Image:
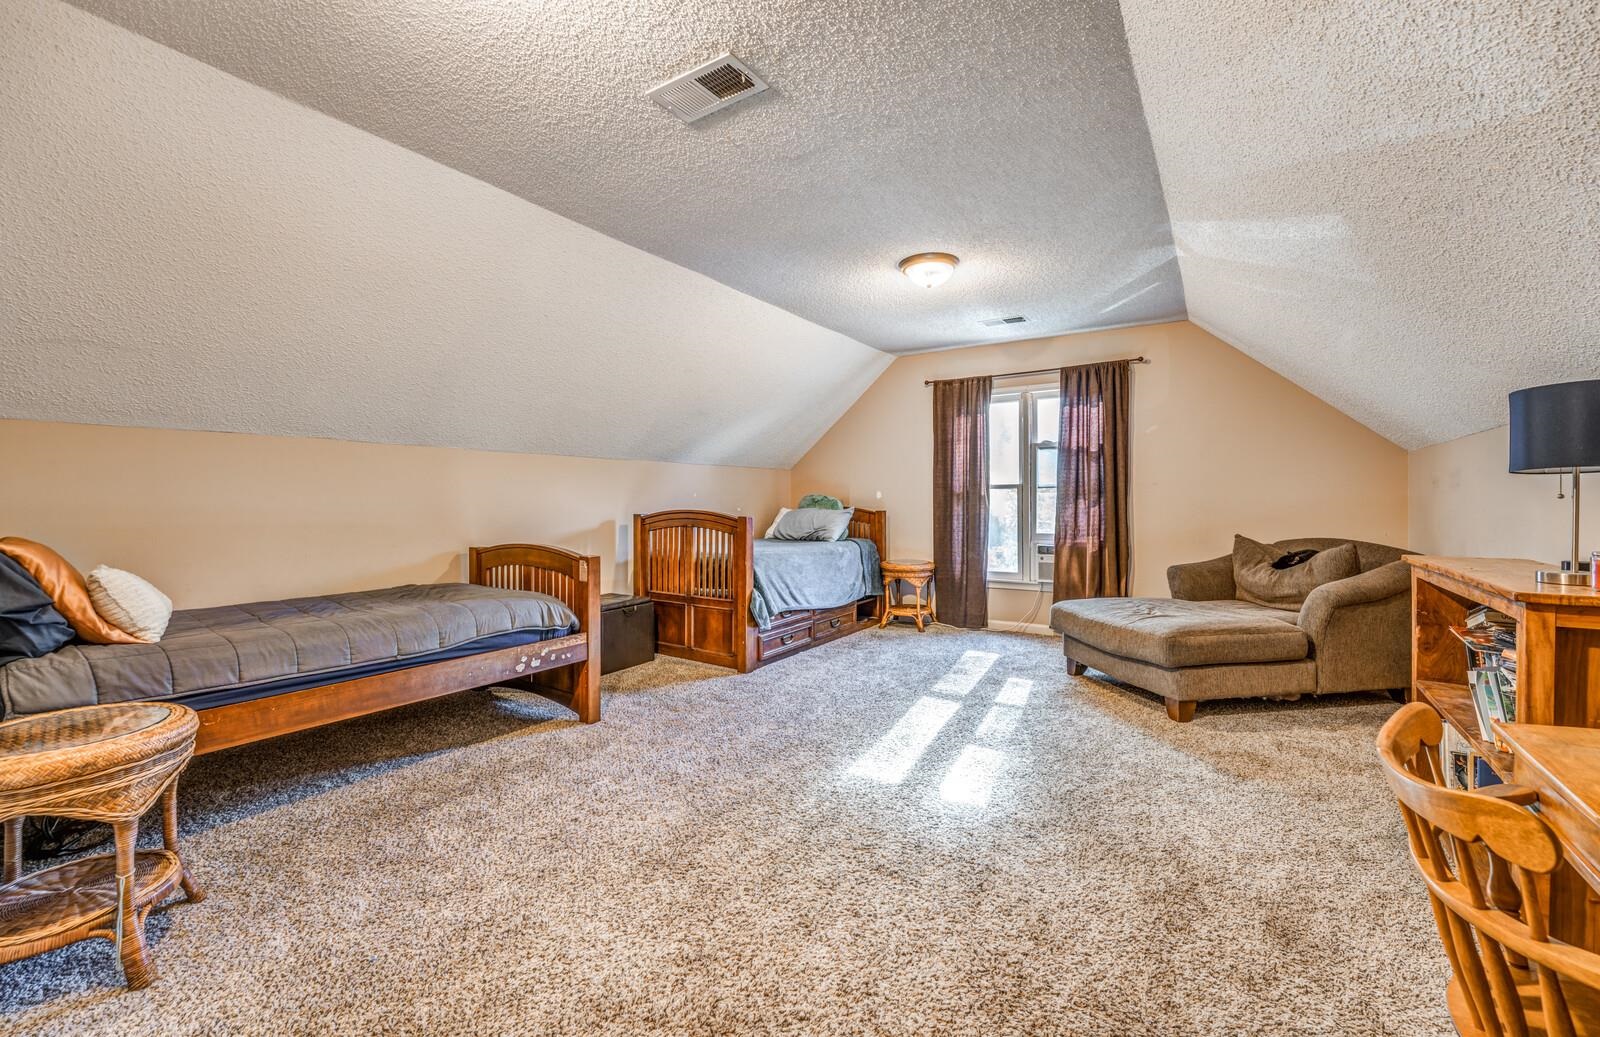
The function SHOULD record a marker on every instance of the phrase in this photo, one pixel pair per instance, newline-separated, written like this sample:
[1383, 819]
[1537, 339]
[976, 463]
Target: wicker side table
[916, 572]
[98, 763]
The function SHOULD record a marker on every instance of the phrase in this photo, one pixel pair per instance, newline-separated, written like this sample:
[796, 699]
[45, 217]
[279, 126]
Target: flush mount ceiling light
[929, 269]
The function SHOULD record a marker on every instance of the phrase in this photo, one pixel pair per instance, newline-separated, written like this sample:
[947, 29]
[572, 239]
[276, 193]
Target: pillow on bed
[70, 595]
[129, 603]
[821, 500]
[811, 524]
[30, 626]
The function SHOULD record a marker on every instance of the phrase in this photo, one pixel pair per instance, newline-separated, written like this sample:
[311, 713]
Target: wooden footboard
[566, 669]
[572, 578]
[698, 567]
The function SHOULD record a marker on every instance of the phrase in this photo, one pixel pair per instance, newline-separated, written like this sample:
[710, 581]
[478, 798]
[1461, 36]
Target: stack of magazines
[1491, 640]
[1494, 697]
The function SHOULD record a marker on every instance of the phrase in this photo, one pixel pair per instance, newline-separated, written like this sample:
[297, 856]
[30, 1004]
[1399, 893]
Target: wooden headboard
[867, 524]
[565, 575]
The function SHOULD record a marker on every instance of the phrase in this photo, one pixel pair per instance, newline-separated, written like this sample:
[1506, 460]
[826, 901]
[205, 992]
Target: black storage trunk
[627, 631]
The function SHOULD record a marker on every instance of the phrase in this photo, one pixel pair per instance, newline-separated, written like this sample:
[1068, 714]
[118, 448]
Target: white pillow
[774, 527]
[130, 604]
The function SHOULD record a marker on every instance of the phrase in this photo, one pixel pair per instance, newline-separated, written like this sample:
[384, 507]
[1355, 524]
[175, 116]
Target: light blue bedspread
[811, 574]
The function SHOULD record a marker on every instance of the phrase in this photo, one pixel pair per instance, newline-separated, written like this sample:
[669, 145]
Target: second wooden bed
[698, 568]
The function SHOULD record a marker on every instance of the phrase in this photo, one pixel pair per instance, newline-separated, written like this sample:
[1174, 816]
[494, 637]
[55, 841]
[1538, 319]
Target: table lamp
[1556, 428]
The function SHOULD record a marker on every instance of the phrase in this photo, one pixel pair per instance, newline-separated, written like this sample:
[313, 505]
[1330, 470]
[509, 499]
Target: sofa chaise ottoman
[1204, 643]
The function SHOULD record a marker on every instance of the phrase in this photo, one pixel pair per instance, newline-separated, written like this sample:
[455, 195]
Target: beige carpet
[896, 834]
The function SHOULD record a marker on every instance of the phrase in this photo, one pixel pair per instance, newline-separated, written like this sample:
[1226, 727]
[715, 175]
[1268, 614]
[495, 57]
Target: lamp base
[1565, 577]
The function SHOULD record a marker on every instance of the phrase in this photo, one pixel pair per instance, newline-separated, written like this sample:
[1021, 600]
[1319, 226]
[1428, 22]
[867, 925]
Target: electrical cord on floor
[1033, 613]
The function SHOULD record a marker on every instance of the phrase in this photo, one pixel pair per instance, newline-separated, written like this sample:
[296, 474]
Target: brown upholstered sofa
[1203, 643]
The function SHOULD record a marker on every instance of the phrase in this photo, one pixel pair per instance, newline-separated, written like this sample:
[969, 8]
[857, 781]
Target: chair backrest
[1495, 933]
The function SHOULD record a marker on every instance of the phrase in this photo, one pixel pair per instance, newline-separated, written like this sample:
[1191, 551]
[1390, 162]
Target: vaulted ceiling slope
[1396, 205]
[1008, 132]
[184, 249]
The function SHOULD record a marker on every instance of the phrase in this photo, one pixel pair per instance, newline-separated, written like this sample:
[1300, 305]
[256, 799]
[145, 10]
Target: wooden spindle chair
[1486, 859]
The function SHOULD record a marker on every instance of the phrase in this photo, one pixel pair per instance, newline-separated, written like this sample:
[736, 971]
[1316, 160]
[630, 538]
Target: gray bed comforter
[238, 646]
[810, 574]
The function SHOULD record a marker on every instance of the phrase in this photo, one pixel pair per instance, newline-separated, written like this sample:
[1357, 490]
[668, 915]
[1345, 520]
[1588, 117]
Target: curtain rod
[1045, 370]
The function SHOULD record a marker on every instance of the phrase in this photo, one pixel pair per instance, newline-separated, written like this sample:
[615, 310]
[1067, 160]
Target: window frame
[1035, 550]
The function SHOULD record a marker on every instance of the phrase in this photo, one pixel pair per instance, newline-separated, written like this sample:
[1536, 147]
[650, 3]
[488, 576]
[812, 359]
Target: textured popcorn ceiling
[1009, 133]
[183, 249]
[1394, 203]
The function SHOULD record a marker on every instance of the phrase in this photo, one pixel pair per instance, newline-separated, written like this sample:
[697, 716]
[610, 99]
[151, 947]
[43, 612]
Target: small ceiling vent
[1000, 322]
[709, 88]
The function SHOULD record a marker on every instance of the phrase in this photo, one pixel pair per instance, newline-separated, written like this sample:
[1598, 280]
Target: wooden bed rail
[573, 579]
[696, 566]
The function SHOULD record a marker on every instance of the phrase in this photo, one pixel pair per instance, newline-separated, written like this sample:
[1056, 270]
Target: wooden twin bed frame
[565, 669]
[698, 568]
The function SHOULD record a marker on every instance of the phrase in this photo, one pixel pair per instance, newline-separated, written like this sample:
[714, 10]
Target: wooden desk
[1562, 765]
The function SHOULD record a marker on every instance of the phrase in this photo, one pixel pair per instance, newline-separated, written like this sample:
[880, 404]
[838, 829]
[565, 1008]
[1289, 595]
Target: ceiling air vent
[1000, 322]
[709, 88]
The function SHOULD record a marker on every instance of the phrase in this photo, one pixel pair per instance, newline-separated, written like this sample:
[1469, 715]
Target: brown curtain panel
[961, 500]
[1093, 552]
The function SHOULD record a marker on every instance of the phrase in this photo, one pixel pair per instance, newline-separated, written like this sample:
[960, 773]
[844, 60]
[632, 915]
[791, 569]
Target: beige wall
[1220, 445]
[1464, 502]
[213, 518]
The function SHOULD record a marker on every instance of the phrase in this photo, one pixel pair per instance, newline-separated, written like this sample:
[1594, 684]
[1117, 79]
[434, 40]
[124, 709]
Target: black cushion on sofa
[30, 626]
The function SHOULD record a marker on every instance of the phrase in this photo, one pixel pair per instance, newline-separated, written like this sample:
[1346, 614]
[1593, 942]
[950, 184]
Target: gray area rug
[895, 834]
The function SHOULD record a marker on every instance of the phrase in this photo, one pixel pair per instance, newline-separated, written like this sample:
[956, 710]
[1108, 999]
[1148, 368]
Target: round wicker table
[98, 763]
[917, 572]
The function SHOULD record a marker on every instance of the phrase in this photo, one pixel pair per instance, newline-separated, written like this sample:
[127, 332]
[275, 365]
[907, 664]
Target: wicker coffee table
[98, 763]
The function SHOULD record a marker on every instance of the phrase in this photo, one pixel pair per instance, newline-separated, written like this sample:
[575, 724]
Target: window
[1023, 425]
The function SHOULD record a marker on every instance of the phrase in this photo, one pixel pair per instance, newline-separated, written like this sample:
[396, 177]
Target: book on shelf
[1491, 694]
[1505, 683]
[1463, 768]
[1486, 617]
[1456, 755]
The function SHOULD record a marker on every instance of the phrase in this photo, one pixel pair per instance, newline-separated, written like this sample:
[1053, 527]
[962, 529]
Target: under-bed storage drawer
[833, 622]
[785, 635]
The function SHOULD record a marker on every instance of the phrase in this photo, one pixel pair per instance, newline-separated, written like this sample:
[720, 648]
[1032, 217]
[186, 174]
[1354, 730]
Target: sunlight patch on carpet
[965, 674]
[971, 779]
[892, 758]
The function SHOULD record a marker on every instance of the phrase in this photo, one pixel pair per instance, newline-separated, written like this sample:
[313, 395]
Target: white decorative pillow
[130, 604]
[774, 527]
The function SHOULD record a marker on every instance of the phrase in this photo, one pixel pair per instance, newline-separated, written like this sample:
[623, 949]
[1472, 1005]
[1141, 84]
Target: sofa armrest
[1378, 584]
[1392, 581]
[1210, 580]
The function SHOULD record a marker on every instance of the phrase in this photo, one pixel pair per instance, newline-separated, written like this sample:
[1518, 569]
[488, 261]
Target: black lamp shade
[1556, 428]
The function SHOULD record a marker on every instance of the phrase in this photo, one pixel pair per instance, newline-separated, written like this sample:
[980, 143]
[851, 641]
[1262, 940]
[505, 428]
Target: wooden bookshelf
[1558, 643]
[1558, 679]
[1454, 703]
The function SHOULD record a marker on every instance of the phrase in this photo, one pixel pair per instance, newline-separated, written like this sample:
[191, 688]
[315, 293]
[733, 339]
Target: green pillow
[821, 500]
